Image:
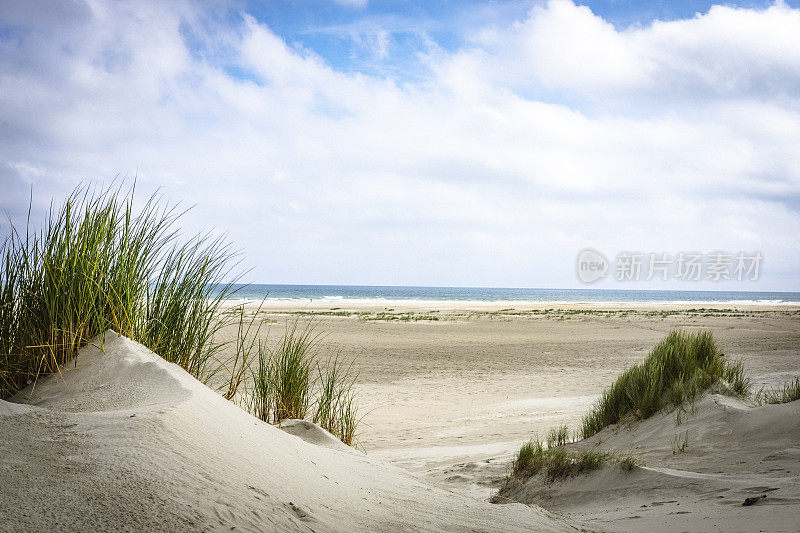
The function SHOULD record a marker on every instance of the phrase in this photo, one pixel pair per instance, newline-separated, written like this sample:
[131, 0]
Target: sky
[443, 143]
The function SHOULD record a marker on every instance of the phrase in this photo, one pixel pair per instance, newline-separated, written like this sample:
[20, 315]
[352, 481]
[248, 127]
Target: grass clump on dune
[98, 264]
[260, 395]
[678, 369]
[237, 368]
[336, 410]
[628, 463]
[292, 365]
[284, 385]
[557, 436]
[555, 463]
[789, 392]
[554, 459]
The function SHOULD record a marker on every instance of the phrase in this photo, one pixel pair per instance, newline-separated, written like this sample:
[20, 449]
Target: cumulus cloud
[726, 52]
[534, 140]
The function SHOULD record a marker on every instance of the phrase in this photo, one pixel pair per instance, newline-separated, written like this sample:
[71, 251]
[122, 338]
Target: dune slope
[696, 475]
[124, 440]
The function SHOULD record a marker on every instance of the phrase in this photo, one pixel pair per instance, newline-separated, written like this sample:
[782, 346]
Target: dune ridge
[695, 472]
[122, 439]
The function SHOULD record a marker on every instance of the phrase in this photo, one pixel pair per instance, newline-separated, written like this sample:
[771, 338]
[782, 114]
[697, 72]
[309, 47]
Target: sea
[369, 293]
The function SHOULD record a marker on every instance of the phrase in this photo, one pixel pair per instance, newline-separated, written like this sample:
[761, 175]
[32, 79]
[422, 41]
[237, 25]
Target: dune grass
[98, 264]
[336, 410]
[246, 344]
[789, 392]
[284, 385]
[292, 366]
[557, 436]
[680, 442]
[628, 463]
[678, 369]
[183, 305]
[555, 463]
[260, 395]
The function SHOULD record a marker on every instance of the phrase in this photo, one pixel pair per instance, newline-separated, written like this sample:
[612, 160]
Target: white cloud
[726, 52]
[555, 133]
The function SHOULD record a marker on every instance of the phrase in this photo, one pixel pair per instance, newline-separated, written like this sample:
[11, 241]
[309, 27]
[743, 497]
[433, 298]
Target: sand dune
[452, 400]
[125, 440]
[734, 451]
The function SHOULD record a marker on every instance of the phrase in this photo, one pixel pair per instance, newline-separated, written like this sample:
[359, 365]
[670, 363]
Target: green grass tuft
[336, 410]
[247, 343]
[680, 443]
[283, 385]
[292, 364]
[789, 392]
[628, 463]
[555, 463]
[678, 369]
[98, 264]
[260, 395]
[736, 378]
[557, 436]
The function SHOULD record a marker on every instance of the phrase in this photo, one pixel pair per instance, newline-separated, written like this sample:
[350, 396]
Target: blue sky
[340, 31]
[409, 143]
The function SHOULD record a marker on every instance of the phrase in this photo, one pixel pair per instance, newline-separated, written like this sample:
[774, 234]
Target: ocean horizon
[389, 293]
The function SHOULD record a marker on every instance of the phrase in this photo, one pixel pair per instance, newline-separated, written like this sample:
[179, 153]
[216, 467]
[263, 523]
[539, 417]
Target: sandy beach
[448, 393]
[135, 443]
[388, 266]
[450, 390]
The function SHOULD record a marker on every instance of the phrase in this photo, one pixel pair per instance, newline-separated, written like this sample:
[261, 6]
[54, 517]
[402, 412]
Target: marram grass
[98, 264]
[678, 369]
[557, 462]
[557, 436]
[336, 410]
[284, 384]
[788, 392]
[292, 366]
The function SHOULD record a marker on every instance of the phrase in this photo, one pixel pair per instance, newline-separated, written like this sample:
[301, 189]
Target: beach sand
[453, 399]
[691, 476]
[448, 393]
[125, 441]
